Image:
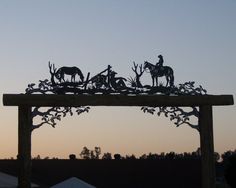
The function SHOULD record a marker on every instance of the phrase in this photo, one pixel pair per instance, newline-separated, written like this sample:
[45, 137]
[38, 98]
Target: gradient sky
[196, 38]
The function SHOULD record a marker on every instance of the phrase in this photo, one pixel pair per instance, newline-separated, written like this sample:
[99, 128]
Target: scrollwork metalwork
[66, 80]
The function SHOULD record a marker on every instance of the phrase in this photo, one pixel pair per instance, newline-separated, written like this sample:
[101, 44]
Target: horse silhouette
[71, 71]
[159, 71]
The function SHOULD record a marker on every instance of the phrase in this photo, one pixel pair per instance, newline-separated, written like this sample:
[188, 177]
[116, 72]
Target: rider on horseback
[159, 70]
[159, 64]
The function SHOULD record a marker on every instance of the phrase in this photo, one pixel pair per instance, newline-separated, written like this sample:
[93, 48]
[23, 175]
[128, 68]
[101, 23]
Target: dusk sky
[196, 38]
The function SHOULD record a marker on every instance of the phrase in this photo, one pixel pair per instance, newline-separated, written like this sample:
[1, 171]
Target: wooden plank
[115, 100]
[207, 147]
[24, 146]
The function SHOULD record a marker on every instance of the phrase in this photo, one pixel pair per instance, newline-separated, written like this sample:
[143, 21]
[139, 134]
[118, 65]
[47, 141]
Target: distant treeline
[225, 163]
[97, 154]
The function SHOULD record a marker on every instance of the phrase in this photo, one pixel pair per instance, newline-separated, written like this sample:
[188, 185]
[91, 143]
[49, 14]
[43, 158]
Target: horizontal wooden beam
[50, 100]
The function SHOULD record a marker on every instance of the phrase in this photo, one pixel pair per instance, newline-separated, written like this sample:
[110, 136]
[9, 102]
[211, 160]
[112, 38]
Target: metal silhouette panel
[71, 80]
[65, 80]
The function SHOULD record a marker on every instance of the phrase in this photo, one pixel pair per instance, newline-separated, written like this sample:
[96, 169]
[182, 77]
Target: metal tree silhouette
[176, 114]
[52, 115]
[138, 75]
[180, 115]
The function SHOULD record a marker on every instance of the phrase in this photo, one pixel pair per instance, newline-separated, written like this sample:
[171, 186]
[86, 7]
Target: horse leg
[73, 78]
[172, 80]
[152, 81]
[62, 78]
[167, 81]
[81, 77]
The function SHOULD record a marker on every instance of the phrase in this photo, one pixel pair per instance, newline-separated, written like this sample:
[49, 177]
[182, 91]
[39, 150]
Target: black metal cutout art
[66, 80]
[71, 80]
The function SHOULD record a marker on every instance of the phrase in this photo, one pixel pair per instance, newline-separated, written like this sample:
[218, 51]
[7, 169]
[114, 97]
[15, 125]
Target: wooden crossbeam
[115, 100]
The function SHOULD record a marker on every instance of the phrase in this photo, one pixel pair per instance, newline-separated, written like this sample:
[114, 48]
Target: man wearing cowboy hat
[159, 64]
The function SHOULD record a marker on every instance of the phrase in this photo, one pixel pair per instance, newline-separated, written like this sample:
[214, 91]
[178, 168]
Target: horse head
[146, 63]
[148, 66]
[58, 74]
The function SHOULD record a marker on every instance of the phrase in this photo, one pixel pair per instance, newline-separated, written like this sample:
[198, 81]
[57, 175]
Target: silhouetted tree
[97, 151]
[107, 156]
[227, 154]
[117, 156]
[136, 82]
[194, 155]
[152, 156]
[187, 155]
[132, 157]
[216, 156]
[51, 115]
[198, 151]
[92, 155]
[72, 156]
[162, 155]
[144, 156]
[171, 155]
[85, 153]
[37, 157]
[178, 115]
[230, 170]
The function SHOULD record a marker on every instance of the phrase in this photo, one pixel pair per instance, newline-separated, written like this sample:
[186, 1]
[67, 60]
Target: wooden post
[24, 146]
[207, 147]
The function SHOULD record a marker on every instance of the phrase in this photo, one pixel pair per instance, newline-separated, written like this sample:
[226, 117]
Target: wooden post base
[24, 146]
[207, 147]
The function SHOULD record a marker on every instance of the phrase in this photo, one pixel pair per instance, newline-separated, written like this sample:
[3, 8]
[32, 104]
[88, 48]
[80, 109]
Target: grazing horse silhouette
[72, 71]
[159, 71]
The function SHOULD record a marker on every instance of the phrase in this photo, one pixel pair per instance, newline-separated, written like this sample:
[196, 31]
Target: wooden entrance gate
[205, 103]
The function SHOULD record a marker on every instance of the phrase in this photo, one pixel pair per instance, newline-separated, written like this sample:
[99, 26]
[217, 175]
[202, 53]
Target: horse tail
[81, 76]
[79, 72]
[172, 78]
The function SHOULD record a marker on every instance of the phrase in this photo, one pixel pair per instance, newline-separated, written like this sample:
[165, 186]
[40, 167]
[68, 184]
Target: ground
[114, 173]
